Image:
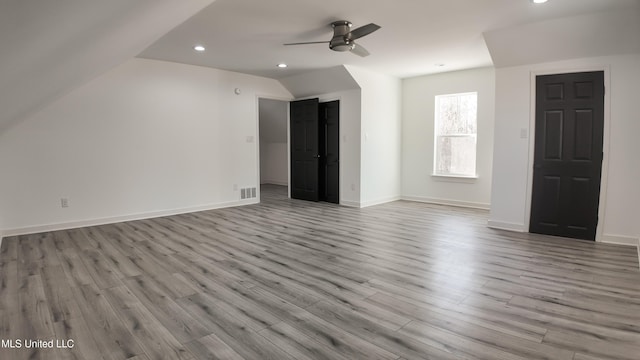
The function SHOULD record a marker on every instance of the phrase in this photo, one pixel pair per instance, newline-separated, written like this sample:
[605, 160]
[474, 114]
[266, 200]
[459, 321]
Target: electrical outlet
[64, 202]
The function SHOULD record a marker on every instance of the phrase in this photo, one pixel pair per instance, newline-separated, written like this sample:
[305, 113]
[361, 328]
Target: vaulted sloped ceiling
[417, 37]
[586, 35]
[322, 81]
[48, 48]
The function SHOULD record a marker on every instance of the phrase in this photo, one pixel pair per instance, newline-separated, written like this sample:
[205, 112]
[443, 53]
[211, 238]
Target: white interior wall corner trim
[448, 202]
[380, 201]
[618, 239]
[499, 225]
[353, 204]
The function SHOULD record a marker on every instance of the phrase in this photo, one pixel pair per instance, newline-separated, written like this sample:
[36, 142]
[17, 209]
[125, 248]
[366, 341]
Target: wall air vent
[248, 193]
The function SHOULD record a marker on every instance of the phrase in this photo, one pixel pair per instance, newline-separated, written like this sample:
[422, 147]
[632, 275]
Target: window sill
[455, 178]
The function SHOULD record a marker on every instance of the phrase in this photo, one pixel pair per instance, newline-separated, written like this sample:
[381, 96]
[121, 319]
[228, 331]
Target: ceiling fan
[343, 37]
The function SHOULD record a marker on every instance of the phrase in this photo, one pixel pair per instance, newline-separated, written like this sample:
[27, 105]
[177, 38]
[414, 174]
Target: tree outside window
[456, 134]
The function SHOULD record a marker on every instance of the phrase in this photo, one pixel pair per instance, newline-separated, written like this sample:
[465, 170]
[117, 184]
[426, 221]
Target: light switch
[524, 133]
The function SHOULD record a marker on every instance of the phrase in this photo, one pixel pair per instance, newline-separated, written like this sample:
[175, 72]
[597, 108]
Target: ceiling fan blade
[359, 50]
[308, 42]
[363, 31]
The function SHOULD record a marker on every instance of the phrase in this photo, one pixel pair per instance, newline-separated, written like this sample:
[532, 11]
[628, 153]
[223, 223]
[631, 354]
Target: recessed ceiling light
[539, 1]
[282, 65]
[199, 48]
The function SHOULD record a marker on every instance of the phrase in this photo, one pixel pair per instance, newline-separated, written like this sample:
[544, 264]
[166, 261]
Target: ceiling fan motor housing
[341, 40]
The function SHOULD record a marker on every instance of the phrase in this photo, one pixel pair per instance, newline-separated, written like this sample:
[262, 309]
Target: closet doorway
[272, 122]
[315, 149]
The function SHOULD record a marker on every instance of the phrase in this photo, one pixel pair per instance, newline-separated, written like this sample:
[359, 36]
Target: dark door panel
[304, 149]
[568, 154]
[331, 130]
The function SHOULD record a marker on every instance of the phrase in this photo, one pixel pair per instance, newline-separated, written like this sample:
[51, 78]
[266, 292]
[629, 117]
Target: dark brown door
[330, 151]
[568, 154]
[304, 149]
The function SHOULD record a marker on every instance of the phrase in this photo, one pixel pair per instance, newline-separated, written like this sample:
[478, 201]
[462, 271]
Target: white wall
[274, 168]
[380, 136]
[620, 200]
[350, 192]
[147, 138]
[274, 152]
[418, 108]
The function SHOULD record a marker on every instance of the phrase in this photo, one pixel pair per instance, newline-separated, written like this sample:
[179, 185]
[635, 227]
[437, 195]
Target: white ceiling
[247, 35]
[47, 48]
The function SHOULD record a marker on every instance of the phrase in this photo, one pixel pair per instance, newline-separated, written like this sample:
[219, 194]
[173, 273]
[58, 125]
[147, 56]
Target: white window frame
[436, 135]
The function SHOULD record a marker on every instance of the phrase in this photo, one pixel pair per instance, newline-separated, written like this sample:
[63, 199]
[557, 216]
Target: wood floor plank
[103, 275]
[233, 299]
[112, 338]
[384, 337]
[182, 325]
[298, 344]
[498, 340]
[327, 334]
[550, 321]
[156, 341]
[34, 308]
[9, 284]
[235, 333]
[211, 347]
[79, 238]
[283, 287]
[74, 268]
[559, 308]
[9, 248]
[440, 314]
[602, 348]
[30, 256]
[62, 304]
[76, 330]
[288, 279]
[172, 284]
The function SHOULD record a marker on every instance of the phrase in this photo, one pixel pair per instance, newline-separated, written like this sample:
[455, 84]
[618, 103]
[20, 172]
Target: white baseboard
[379, 201]
[348, 203]
[116, 219]
[501, 225]
[466, 204]
[275, 182]
[618, 239]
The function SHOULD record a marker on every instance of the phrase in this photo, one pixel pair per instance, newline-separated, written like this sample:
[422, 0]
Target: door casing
[605, 147]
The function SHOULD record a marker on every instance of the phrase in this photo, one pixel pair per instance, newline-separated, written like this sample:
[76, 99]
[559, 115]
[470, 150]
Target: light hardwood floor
[288, 279]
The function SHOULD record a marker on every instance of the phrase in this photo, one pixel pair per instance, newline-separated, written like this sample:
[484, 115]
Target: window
[456, 135]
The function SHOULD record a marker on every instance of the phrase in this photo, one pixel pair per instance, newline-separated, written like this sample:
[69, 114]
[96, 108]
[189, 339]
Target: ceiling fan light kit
[343, 37]
[341, 40]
